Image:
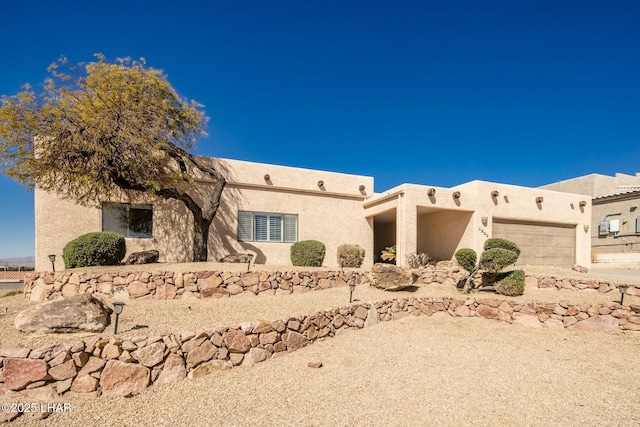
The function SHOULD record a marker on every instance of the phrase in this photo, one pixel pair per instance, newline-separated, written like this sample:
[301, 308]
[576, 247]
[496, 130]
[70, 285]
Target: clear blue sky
[430, 92]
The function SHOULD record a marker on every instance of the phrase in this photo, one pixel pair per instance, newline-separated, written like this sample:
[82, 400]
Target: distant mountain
[25, 261]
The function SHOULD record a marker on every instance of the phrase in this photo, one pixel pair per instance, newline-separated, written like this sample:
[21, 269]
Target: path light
[342, 260]
[623, 290]
[52, 258]
[352, 287]
[249, 258]
[117, 309]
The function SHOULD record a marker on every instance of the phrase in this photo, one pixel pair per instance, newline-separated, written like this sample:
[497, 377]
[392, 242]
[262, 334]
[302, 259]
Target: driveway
[629, 275]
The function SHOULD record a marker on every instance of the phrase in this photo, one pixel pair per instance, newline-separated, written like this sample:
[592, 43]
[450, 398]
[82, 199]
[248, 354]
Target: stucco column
[406, 228]
[583, 244]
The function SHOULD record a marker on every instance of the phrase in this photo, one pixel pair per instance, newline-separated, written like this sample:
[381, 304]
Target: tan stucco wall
[332, 214]
[59, 221]
[441, 233]
[342, 210]
[463, 216]
[594, 184]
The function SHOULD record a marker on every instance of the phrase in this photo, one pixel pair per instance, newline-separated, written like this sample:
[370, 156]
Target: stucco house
[265, 208]
[615, 218]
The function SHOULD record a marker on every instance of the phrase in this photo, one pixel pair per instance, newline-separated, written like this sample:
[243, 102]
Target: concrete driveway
[627, 273]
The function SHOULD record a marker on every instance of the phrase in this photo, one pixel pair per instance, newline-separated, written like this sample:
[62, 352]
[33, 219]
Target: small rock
[315, 363]
[579, 268]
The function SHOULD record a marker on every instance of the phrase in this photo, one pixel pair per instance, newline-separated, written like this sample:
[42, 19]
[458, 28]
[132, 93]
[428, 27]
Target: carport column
[406, 227]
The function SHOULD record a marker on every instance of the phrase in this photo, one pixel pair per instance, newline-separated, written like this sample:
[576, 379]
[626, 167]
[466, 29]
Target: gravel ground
[412, 372]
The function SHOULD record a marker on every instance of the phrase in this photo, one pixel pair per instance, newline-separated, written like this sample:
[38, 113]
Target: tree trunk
[467, 285]
[201, 239]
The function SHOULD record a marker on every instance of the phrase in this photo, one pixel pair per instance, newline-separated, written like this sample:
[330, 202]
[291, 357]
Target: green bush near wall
[308, 253]
[495, 242]
[467, 259]
[495, 259]
[93, 249]
[512, 284]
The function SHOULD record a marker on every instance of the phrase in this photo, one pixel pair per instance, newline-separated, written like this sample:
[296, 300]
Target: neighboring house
[615, 218]
[265, 208]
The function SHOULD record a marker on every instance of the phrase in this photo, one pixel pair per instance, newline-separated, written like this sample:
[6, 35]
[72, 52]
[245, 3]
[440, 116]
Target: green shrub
[467, 259]
[495, 259]
[100, 248]
[307, 253]
[501, 243]
[353, 255]
[417, 259]
[512, 284]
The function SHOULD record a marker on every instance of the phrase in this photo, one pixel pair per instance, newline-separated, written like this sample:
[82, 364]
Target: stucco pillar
[406, 228]
[583, 244]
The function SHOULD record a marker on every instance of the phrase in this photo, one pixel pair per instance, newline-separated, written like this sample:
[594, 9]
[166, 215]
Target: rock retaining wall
[126, 366]
[219, 284]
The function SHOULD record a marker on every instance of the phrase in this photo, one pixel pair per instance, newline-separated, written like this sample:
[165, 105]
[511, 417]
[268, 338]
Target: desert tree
[109, 130]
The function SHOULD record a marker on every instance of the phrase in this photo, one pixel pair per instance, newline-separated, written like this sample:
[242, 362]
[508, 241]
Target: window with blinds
[267, 227]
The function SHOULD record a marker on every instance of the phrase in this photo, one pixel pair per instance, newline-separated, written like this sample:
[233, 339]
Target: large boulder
[144, 257]
[77, 313]
[390, 277]
[237, 258]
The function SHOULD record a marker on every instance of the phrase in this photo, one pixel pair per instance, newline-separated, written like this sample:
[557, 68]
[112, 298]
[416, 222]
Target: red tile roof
[13, 275]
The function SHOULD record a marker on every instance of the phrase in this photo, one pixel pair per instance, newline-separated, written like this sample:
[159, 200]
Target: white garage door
[540, 243]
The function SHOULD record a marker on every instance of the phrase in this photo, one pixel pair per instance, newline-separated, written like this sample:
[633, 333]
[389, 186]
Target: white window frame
[247, 227]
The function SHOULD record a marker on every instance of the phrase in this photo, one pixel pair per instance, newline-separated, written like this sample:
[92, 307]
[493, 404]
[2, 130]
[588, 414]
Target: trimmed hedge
[501, 243]
[512, 285]
[467, 259]
[353, 255]
[495, 259]
[307, 253]
[93, 249]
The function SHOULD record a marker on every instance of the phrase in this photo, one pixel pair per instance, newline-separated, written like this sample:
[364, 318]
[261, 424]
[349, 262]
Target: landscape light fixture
[117, 309]
[352, 287]
[250, 257]
[623, 290]
[342, 259]
[52, 258]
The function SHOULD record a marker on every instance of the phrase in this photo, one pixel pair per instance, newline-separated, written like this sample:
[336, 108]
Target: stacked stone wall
[172, 285]
[219, 284]
[127, 365]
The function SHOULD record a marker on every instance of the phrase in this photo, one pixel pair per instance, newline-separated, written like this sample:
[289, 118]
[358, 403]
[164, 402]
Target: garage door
[540, 243]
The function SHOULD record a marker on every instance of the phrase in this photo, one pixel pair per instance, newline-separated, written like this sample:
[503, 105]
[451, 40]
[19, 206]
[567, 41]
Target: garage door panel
[540, 243]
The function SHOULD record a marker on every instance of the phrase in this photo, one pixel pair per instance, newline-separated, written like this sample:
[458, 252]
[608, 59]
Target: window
[128, 220]
[267, 227]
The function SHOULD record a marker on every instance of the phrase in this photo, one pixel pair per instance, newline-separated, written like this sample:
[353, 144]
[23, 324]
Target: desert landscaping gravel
[416, 371]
